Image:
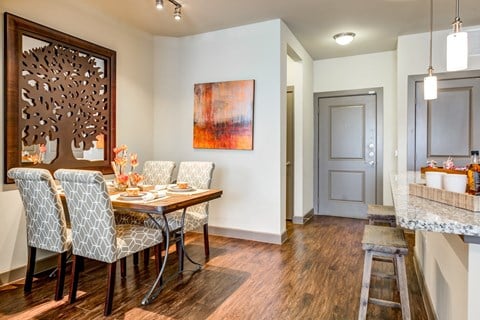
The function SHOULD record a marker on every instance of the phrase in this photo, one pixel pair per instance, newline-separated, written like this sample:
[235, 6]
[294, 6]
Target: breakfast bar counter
[447, 250]
[417, 213]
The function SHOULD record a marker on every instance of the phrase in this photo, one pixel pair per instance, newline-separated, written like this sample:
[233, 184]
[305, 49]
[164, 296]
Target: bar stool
[385, 242]
[381, 214]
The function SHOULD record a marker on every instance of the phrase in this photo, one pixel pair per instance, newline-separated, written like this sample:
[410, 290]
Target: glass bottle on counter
[473, 174]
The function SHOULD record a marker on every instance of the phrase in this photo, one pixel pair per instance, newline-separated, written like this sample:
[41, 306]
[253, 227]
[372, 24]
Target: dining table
[169, 201]
[165, 201]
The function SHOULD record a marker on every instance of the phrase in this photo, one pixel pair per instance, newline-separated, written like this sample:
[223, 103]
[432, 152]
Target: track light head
[178, 13]
[159, 4]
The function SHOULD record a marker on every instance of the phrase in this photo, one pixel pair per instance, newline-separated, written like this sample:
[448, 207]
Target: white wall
[134, 95]
[366, 71]
[250, 179]
[303, 185]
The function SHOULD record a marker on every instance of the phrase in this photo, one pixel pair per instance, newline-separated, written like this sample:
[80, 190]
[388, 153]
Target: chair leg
[146, 257]
[205, 240]
[367, 270]
[135, 259]
[61, 266]
[32, 252]
[158, 257]
[110, 287]
[76, 264]
[403, 287]
[123, 267]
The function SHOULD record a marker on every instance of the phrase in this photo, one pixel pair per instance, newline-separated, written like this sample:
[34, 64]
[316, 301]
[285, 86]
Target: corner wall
[251, 182]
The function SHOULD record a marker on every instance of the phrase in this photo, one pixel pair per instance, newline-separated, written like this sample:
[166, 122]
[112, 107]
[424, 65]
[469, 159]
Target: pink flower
[134, 160]
[122, 178]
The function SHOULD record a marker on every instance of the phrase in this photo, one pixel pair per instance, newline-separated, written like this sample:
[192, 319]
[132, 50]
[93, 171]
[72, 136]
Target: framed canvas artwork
[223, 115]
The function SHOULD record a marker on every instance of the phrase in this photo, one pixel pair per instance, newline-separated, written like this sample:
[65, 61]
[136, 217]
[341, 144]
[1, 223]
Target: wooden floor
[316, 274]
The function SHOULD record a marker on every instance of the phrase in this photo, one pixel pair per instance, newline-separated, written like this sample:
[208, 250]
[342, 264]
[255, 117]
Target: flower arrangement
[120, 163]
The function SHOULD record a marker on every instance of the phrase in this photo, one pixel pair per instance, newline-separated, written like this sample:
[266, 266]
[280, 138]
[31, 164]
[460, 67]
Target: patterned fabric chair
[45, 220]
[158, 172]
[198, 174]
[94, 232]
[155, 173]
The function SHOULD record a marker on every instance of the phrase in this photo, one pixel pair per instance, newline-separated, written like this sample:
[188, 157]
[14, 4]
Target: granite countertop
[417, 213]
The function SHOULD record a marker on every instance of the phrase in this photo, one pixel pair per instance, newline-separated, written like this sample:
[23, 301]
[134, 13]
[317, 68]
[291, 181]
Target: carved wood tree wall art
[60, 91]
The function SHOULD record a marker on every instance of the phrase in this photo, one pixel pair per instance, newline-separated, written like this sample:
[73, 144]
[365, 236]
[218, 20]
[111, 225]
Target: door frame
[411, 103]
[292, 90]
[378, 92]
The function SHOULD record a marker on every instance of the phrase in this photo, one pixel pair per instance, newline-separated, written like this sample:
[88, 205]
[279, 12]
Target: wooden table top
[173, 202]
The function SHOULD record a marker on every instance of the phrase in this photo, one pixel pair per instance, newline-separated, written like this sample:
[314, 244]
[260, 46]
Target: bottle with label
[473, 174]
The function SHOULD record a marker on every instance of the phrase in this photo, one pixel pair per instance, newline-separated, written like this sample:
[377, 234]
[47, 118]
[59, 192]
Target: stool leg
[367, 270]
[403, 287]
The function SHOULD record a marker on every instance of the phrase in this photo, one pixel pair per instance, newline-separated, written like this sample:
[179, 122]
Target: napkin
[148, 196]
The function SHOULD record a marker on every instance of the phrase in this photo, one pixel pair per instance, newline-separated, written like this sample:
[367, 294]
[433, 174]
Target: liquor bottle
[473, 174]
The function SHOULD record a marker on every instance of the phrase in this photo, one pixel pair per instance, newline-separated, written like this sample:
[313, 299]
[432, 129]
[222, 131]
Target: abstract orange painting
[223, 115]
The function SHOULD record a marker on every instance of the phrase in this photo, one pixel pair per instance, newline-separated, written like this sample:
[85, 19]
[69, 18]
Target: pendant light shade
[457, 45]
[457, 51]
[430, 82]
[430, 87]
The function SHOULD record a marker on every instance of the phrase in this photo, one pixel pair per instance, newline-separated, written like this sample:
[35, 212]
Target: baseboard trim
[304, 219]
[427, 301]
[41, 265]
[248, 235]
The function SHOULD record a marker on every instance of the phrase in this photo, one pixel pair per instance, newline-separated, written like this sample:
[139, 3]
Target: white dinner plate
[125, 196]
[177, 189]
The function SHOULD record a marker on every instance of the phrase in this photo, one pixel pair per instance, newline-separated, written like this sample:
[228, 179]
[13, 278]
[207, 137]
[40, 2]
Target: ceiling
[377, 23]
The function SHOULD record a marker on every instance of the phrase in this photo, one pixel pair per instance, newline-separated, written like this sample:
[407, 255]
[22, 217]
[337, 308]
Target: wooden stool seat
[381, 214]
[385, 242]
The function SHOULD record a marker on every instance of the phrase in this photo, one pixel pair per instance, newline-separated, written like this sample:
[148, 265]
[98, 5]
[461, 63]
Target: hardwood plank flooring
[315, 274]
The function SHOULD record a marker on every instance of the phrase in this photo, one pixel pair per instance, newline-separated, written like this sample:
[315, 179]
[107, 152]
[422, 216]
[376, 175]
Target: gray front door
[448, 126]
[347, 154]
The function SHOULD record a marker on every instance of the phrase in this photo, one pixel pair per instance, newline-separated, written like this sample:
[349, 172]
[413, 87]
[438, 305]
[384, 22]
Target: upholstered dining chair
[155, 172]
[45, 220]
[94, 232]
[197, 174]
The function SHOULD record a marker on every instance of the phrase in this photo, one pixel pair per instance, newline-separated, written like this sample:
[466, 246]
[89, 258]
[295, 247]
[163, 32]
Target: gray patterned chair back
[199, 175]
[158, 172]
[45, 218]
[91, 214]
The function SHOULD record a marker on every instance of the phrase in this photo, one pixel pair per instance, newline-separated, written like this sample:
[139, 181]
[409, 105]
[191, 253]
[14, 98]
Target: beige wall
[134, 96]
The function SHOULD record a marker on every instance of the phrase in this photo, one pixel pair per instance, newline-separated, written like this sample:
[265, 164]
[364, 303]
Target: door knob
[371, 154]
[371, 146]
[371, 163]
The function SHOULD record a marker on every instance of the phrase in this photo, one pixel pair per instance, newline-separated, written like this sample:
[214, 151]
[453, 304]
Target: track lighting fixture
[177, 14]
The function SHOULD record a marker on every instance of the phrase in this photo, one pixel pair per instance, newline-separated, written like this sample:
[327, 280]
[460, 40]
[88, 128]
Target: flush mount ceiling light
[178, 8]
[430, 82]
[457, 45]
[344, 38]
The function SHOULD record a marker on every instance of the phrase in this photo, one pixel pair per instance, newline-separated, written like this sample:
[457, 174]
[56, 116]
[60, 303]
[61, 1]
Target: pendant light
[430, 82]
[457, 45]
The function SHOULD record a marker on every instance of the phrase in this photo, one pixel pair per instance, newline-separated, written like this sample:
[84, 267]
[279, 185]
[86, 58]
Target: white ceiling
[377, 23]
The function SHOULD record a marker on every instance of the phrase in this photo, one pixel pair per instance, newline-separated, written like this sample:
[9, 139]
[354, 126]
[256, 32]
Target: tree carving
[64, 96]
